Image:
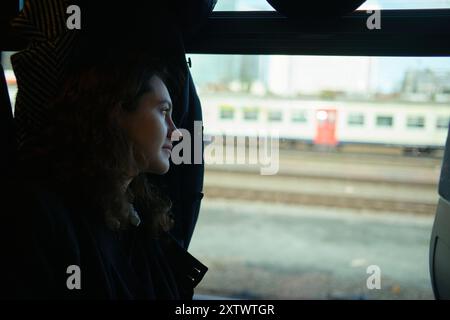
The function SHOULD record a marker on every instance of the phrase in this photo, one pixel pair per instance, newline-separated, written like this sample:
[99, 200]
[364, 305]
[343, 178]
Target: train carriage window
[341, 200]
[226, 112]
[384, 121]
[275, 116]
[251, 113]
[442, 123]
[415, 122]
[299, 116]
[355, 120]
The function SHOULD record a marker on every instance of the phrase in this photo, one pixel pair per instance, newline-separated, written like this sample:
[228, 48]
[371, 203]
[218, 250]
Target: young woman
[82, 219]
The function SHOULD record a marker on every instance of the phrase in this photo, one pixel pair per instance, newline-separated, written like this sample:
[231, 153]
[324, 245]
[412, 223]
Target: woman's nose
[176, 135]
[173, 133]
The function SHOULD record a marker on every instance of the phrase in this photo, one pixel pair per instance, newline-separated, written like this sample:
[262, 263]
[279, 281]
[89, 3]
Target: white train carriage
[407, 125]
[252, 116]
[398, 124]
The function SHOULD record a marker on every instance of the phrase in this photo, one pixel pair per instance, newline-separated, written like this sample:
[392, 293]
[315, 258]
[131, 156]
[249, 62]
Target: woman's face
[150, 128]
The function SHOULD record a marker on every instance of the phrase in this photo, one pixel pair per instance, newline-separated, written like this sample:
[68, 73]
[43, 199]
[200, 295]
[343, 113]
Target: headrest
[444, 180]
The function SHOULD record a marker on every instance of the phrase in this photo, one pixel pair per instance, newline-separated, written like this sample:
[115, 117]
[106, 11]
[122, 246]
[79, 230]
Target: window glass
[385, 121]
[415, 122]
[442, 123]
[251, 114]
[355, 119]
[299, 116]
[340, 204]
[226, 112]
[275, 116]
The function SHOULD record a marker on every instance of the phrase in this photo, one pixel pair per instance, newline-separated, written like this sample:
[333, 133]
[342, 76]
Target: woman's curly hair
[88, 153]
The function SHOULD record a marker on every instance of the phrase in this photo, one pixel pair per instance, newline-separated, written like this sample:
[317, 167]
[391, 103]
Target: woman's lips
[168, 149]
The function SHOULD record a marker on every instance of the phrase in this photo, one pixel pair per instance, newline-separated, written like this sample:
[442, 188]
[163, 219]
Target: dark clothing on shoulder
[43, 235]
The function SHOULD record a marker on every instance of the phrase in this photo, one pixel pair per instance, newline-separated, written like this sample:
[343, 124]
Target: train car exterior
[329, 123]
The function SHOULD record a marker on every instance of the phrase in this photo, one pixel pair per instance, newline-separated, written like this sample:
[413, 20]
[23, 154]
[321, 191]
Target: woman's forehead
[159, 89]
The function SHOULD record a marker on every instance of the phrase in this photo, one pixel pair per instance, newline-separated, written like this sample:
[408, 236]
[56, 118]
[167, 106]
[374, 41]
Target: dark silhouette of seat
[440, 237]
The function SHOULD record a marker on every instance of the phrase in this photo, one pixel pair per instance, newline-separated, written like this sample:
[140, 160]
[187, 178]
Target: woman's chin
[163, 167]
[159, 168]
[165, 170]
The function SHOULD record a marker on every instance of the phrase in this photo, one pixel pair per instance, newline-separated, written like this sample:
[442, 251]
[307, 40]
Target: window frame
[412, 32]
[403, 33]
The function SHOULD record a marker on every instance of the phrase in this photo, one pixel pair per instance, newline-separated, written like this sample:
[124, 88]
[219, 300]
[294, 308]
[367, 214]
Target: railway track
[334, 182]
[332, 201]
[363, 157]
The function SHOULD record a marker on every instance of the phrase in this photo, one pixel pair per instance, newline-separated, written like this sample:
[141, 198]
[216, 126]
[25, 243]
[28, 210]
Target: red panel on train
[326, 127]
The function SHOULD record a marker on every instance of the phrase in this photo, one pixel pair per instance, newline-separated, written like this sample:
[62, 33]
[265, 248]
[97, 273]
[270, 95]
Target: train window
[384, 121]
[355, 119]
[299, 116]
[442, 123]
[226, 112]
[415, 122]
[251, 114]
[275, 116]
[344, 197]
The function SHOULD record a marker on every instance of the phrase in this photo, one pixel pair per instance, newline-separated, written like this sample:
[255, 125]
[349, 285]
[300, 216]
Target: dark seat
[440, 237]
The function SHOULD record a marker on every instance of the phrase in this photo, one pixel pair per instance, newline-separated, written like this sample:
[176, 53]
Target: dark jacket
[44, 234]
